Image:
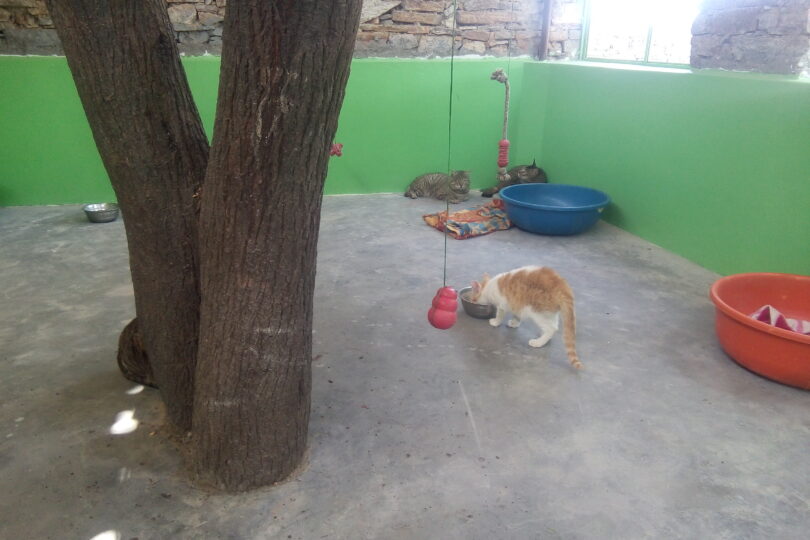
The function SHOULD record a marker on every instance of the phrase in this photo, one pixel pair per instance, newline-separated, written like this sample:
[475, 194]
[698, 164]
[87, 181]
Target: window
[654, 31]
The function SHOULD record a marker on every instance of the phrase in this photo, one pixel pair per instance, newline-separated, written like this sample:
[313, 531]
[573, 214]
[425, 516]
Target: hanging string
[449, 138]
[498, 75]
[509, 42]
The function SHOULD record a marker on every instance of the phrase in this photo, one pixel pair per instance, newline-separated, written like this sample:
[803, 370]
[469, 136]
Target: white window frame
[583, 46]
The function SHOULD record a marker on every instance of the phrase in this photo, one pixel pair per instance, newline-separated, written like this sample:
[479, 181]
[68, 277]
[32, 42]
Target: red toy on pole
[503, 153]
[443, 313]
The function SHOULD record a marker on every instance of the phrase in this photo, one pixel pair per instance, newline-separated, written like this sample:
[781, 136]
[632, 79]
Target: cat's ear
[484, 280]
[476, 287]
[534, 164]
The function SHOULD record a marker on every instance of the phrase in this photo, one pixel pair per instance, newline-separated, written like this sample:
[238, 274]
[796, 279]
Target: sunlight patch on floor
[125, 422]
[107, 535]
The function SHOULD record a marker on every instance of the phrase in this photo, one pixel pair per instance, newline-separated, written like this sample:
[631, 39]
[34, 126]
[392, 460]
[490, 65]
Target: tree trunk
[132, 358]
[284, 69]
[124, 60]
[239, 286]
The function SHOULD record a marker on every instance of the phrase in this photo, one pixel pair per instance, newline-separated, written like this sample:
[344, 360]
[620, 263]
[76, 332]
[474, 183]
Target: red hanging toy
[503, 153]
[503, 144]
[443, 313]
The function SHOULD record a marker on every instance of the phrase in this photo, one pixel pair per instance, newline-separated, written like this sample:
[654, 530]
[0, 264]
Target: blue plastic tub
[555, 209]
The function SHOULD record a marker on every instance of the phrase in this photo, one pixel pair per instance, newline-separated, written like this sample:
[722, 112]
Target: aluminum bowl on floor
[479, 311]
[775, 353]
[102, 212]
[554, 209]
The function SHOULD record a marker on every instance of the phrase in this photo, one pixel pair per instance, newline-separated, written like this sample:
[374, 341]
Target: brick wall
[26, 28]
[770, 36]
[565, 31]
[389, 28]
[418, 28]
[198, 25]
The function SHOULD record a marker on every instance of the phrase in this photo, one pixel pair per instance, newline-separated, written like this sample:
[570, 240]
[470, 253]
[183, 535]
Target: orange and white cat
[536, 293]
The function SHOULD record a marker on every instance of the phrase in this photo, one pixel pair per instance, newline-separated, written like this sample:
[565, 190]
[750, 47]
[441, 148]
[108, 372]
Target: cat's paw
[536, 343]
[513, 323]
[495, 322]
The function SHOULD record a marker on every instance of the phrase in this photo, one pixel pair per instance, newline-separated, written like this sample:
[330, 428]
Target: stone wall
[198, 25]
[26, 28]
[565, 31]
[389, 28]
[769, 36]
[418, 28]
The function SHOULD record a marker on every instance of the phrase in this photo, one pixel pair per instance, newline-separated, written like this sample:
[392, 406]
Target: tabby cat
[536, 293]
[453, 188]
[522, 174]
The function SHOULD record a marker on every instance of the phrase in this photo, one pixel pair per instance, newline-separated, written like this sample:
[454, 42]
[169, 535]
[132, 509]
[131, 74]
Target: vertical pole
[586, 29]
[449, 138]
[542, 54]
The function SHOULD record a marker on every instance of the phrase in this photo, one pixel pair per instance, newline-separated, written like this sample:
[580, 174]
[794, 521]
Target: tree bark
[284, 69]
[125, 64]
[224, 306]
[132, 358]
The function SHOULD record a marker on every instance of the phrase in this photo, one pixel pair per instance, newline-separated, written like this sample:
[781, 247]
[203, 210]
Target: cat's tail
[569, 332]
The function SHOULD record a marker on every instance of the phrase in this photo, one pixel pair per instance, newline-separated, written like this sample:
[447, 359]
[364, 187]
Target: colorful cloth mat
[770, 315]
[475, 221]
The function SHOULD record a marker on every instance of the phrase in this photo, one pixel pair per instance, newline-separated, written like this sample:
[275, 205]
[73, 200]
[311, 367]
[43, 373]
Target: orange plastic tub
[772, 352]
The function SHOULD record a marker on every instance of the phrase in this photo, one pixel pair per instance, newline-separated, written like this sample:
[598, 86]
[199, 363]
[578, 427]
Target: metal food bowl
[479, 311]
[102, 212]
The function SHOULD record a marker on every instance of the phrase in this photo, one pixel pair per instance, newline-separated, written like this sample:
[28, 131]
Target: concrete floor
[415, 433]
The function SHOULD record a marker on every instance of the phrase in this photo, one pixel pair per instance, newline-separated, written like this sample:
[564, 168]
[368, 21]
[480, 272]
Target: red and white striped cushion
[770, 315]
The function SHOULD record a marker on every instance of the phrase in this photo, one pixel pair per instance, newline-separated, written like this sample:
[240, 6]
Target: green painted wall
[47, 153]
[394, 122]
[713, 166]
[393, 126]
[527, 125]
